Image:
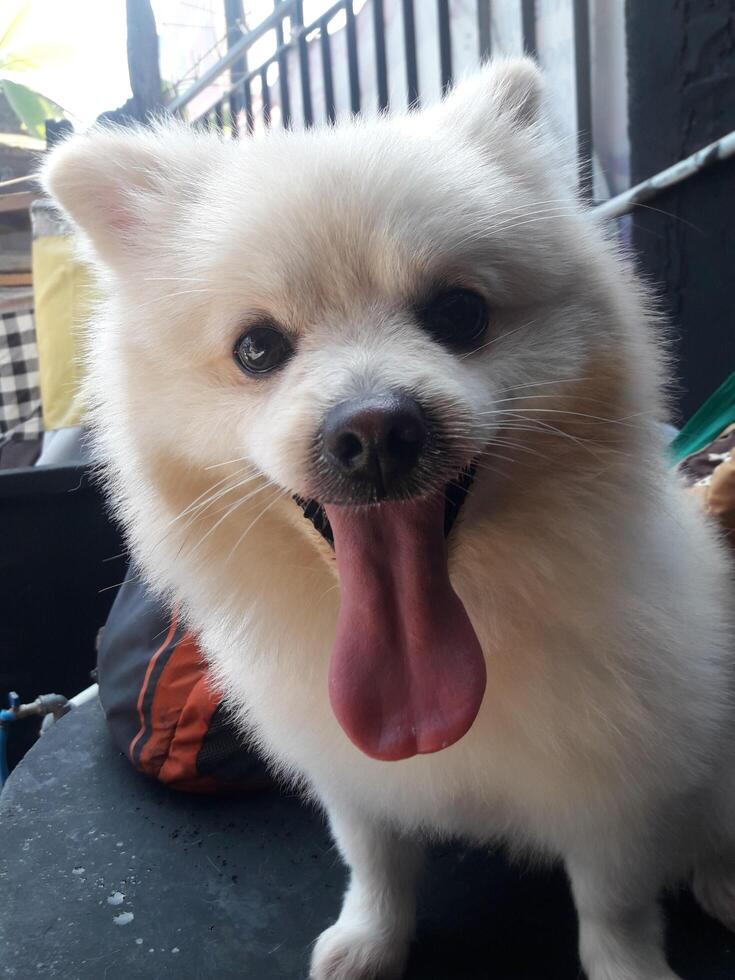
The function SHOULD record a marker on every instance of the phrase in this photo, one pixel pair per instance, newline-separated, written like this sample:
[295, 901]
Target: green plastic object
[707, 422]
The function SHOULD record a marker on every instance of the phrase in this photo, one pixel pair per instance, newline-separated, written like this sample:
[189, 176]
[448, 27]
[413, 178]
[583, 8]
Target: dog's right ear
[123, 188]
[505, 93]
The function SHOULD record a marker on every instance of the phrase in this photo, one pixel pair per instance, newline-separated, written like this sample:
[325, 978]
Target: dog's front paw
[345, 952]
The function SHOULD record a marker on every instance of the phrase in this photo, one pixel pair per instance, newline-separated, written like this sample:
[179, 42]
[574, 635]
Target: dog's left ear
[507, 92]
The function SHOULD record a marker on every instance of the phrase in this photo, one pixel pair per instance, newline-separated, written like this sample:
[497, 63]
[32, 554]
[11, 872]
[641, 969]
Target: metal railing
[246, 103]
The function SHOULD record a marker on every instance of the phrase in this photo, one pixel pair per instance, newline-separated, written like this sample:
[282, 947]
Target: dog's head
[344, 308]
[357, 314]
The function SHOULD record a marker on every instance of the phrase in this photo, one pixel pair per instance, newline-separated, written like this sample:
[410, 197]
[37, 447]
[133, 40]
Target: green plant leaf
[32, 108]
[31, 57]
[9, 26]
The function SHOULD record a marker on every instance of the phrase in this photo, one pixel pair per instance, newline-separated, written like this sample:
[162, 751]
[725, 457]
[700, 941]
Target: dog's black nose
[376, 439]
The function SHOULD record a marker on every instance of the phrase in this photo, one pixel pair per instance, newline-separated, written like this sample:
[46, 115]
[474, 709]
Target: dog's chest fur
[590, 667]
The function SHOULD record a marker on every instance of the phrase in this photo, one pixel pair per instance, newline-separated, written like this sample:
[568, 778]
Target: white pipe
[721, 149]
[88, 694]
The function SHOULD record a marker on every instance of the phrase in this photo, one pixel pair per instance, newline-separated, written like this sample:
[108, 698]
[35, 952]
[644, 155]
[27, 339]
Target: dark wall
[681, 68]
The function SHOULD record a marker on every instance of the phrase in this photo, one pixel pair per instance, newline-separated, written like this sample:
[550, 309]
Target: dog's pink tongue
[407, 674]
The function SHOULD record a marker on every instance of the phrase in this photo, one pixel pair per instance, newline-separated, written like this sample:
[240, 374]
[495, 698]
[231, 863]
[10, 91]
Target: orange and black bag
[161, 707]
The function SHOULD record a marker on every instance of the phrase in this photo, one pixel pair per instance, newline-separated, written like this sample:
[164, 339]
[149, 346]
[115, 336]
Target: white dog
[401, 322]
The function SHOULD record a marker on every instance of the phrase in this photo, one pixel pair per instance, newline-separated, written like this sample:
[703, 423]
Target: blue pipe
[45, 704]
[3, 753]
[7, 716]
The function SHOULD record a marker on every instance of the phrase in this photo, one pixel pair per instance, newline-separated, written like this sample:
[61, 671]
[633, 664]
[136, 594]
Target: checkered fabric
[20, 391]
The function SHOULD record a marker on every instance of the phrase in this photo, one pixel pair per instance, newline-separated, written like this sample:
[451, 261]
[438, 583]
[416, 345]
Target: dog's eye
[457, 318]
[262, 349]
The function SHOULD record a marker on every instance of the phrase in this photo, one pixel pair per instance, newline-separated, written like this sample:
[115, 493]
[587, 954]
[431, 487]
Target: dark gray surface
[681, 91]
[241, 887]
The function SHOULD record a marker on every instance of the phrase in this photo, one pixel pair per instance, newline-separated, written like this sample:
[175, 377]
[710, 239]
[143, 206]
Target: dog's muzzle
[454, 495]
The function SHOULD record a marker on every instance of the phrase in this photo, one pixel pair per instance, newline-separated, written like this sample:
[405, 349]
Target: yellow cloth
[63, 296]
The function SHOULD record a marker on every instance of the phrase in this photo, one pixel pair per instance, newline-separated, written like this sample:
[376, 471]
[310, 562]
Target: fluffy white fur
[598, 594]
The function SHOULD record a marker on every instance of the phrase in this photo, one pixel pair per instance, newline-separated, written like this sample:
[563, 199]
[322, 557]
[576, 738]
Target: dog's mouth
[455, 493]
[407, 674]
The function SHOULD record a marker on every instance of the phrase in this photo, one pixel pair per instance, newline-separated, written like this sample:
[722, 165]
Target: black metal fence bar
[256, 72]
[528, 25]
[235, 110]
[326, 50]
[352, 63]
[304, 72]
[239, 99]
[583, 80]
[445, 44]
[236, 51]
[283, 76]
[409, 36]
[381, 60]
[275, 58]
[483, 29]
[238, 69]
[247, 99]
[265, 94]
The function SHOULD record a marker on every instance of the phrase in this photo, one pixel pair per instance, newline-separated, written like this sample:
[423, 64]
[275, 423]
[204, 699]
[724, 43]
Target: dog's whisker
[506, 459]
[278, 496]
[197, 507]
[623, 420]
[510, 216]
[523, 210]
[194, 502]
[522, 398]
[543, 425]
[227, 462]
[324, 595]
[543, 214]
[483, 466]
[196, 514]
[132, 577]
[541, 384]
[173, 279]
[231, 510]
[537, 221]
[508, 444]
[167, 298]
[533, 426]
[206, 505]
[495, 340]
